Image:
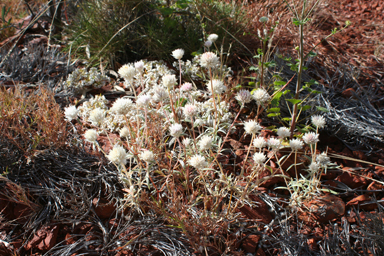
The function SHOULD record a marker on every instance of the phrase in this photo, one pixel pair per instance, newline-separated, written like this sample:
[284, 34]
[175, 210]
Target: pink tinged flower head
[261, 96]
[243, 96]
[139, 65]
[118, 155]
[190, 110]
[318, 121]
[283, 132]
[252, 127]
[178, 54]
[198, 162]
[169, 81]
[186, 87]
[296, 144]
[311, 138]
[143, 100]
[274, 143]
[259, 158]
[176, 130]
[208, 44]
[70, 113]
[209, 60]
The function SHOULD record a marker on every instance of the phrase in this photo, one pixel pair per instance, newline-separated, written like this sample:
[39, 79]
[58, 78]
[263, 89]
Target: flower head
[169, 81]
[70, 113]
[186, 87]
[205, 143]
[252, 127]
[259, 142]
[186, 142]
[323, 159]
[176, 130]
[124, 132]
[97, 116]
[318, 121]
[274, 143]
[127, 72]
[217, 85]
[244, 96]
[190, 110]
[213, 37]
[261, 96]
[296, 144]
[118, 155]
[283, 132]
[259, 158]
[139, 65]
[143, 100]
[209, 60]
[147, 156]
[314, 167]
[178, 54]
[198, 162]
[160, 94]
[90, 135]
[208, 44]
[121, 106]
[311, 138]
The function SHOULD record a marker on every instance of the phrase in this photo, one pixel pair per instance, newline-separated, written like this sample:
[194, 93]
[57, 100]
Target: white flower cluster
[81, 80]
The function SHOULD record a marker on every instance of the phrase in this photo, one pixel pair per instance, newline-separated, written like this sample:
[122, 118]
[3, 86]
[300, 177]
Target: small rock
[324, 209]
[250, 243]
[260, 212]
[103, 208]
[348, 93]
[352, 181]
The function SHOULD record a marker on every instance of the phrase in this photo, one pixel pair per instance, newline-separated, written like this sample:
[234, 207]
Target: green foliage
[120, 31]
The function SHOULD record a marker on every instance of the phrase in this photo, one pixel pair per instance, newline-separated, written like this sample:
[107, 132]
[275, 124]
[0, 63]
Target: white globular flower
[190, 110]
[178, 54]
[314, 167]
[208, 44]
[143, 100]
[213, 37]
[205, 143]
[186, 142]
[121, 106]
[323, 159]
[127, 72]
[169, 81]
[217, 85]
[244, 96]
[118, 155]
[198, 162]
[97, 116]
[252, 127]
[147, 156]
[90, 135]
[209, 60]
[318, 121]
[259, 158]
[186, 87]
[311, 138]
[259, 142]
[176, 130]
[71, 113]
[283, 132]
[274, 143]
[139, 65]
[124, 132]
[261, 96]
[296, 144]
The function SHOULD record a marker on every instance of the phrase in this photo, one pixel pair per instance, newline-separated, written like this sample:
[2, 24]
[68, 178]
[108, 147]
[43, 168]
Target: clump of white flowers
[198, 162]
[283, 132]
[205, 143]
[311, 138]
[217, 86]
[97, 116]
[124, 132]
[176, 130]
[259, 158]
[178, 54]
[296, 144]
[252, 127]
[71, 113]
[121, 106]
[118, 155]
[147, 156]
[127, 72]
[169, 81]
[81, 80]
[190, 110]
[274, 144]
[259, 142]
[90, 135]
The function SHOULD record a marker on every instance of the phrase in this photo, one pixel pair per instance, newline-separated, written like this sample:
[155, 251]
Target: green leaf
[294, 101]
[251, 83]
[273, 114]
[279, 83]
[296, 22]
[253, 68]
[305, 107]
[273, 110]
[312, 54]
[165, 11]
[322, 109]
[276, 99]
[287, 119]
